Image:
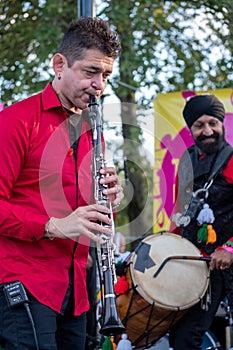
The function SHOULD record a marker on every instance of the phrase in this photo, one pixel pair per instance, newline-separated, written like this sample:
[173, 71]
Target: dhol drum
[166, 276]
[209, 342]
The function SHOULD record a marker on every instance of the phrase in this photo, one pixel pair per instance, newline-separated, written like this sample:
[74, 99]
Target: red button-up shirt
[38, 179]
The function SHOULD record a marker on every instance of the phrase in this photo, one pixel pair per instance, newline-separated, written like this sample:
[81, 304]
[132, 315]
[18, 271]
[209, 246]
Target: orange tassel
[113, 344]
[212, 237]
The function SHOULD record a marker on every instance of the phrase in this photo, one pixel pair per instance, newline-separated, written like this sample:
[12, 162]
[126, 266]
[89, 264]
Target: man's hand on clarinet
[115, 191]
[83, 221]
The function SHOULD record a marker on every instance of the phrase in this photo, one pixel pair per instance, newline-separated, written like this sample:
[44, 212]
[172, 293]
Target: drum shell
[145, 323]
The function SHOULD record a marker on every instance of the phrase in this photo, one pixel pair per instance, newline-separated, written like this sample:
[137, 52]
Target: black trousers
[54, 331]
[91, 338]
[188, 332]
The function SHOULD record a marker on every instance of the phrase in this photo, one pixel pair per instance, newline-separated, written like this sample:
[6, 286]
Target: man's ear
[59, 62]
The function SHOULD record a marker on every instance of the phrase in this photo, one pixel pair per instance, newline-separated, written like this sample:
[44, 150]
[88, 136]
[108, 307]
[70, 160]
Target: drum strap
[220, 161]
[199, 196]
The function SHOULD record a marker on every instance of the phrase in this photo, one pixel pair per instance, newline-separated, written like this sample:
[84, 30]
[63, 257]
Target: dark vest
[193, 174]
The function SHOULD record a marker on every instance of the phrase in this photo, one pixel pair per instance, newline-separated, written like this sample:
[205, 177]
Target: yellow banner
[172, 137]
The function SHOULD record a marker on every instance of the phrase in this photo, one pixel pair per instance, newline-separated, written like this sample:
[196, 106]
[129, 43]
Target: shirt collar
[49, 98]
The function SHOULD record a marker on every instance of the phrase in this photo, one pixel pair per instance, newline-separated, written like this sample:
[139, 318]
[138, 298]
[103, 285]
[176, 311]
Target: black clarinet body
[111, 322]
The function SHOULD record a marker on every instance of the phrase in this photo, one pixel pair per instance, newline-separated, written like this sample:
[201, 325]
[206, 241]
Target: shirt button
[33, 238]
[70, 152]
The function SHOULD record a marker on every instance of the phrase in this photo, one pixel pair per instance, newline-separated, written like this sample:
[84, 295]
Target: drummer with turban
[205, 197]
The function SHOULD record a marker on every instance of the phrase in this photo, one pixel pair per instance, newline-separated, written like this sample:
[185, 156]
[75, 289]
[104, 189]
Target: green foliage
[172, 45]
[30, 32]
[167, 45]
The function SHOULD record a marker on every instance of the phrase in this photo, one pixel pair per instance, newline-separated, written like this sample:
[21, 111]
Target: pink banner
[172, 137]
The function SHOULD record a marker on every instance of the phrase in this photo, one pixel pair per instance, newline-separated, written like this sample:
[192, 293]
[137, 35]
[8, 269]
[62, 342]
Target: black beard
[212, 147]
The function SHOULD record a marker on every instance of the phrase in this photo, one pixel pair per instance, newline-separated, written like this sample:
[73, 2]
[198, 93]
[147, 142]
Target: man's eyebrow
[98, 69]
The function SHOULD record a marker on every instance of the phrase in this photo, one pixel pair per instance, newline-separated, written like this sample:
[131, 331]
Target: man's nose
[207, 130]
[98, 82]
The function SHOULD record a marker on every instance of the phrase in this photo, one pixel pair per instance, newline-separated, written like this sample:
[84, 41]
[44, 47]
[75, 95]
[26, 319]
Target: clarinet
[111, 321]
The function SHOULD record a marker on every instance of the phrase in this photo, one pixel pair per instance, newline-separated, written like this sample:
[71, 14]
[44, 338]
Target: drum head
[180, 284]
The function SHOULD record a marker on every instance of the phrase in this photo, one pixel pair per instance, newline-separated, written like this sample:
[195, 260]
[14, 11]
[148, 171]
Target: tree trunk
[136, 189]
